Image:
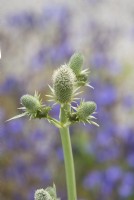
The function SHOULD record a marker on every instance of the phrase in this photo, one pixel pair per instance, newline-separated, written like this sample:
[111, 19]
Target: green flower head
[41, 194]
[85, 110]
[31, 103]
[76, 63]
[32, 107]
[83, 113]
[63, 84]
[48, 194]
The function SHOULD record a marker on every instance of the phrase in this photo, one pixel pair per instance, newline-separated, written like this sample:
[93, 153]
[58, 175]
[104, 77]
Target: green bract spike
[76, 63]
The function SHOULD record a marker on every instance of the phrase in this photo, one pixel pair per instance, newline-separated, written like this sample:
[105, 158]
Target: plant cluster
[67, 81]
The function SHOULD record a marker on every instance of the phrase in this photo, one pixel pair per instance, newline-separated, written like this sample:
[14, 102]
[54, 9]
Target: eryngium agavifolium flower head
[85, 110]
[31, 103]
[63, 84]
[76, 63]
[41, 194]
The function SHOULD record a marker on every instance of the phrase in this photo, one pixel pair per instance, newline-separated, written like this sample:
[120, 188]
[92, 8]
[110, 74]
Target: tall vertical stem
[68, 156]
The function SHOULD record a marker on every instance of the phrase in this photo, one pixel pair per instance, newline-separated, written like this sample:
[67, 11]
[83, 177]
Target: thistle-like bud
[76, 62]
[41, 194]
[30, 102]
[85, 110]
[63, 84]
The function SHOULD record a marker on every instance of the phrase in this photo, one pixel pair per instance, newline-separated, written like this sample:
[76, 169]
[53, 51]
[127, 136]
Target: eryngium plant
[67, 80]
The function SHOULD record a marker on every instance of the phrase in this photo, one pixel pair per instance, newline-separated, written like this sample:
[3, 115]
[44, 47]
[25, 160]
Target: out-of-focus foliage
[33, 45]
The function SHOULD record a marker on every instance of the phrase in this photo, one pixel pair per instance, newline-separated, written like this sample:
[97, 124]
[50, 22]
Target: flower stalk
[68, 155]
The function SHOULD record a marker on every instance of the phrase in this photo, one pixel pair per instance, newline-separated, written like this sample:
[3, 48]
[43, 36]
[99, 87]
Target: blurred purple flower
[15, 126]
[128, 178]
[57, 13]
[125, 190]
[39, 59]
[99, 60]
[127, 185]
[60, 52]
[60, 155]
[92, 180]
[106, 189]
[55, 111]
[130, 159]
[37, 135]
[103, 139]
[22, 19]
[107, 154]
[114, 68]
[10, 84]
[2, 131]
[128, 138]
[113, 174]
[37, 169]
[128, 101]
[105, 95]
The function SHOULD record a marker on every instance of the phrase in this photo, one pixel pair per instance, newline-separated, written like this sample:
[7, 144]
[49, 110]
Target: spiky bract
[63, 84]
[85, 110]
[76, 62]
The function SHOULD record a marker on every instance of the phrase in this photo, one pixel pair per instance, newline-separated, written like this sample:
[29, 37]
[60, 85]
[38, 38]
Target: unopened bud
[30, 102]
[76, 62]
[85, 110]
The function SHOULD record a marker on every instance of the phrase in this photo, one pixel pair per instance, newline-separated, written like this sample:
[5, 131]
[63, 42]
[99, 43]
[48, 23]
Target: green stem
[68, 156]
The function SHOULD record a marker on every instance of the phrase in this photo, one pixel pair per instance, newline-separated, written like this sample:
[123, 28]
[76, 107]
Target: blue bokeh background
[35, 39]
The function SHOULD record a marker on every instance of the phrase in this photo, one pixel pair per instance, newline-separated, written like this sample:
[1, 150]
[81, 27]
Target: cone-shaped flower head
[31, 103]
[76, 62]
[41, 194]
[63, 84]
[85, 110]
